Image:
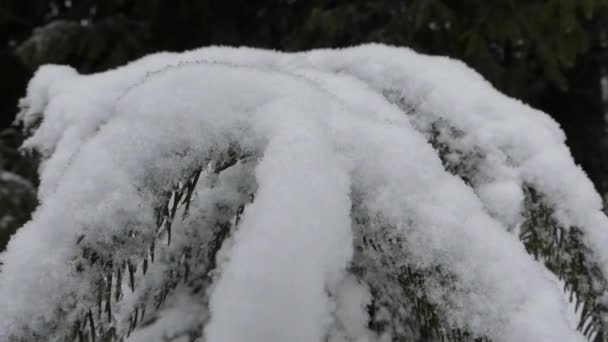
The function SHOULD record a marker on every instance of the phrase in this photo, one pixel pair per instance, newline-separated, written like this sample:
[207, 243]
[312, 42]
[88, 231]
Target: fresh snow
[334, 134]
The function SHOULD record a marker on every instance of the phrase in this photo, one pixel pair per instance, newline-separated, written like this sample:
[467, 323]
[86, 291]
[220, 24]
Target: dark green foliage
[192, 266]
[563, 252]
[17, 200]
[99, 45]
[17, 186]
[510, 42]
[516, 44]
[400, 302]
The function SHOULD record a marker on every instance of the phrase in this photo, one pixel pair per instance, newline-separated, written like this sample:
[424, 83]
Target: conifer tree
[364, 194]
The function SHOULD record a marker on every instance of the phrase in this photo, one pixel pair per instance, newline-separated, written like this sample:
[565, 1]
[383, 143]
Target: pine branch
[400, 304]
[564, 253]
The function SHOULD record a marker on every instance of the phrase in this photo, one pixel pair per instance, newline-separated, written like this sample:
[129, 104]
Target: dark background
[550, 53]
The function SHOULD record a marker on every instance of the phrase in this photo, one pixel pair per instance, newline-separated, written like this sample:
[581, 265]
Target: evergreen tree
[364, 194]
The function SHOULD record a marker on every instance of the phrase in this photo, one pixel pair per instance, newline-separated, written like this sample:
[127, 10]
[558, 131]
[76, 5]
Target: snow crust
[325, 125]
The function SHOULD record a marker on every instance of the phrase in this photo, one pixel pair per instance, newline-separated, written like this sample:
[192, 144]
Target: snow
[329, 130]
[350, 302]
[173, 323]
[443, 223]
[289, 254]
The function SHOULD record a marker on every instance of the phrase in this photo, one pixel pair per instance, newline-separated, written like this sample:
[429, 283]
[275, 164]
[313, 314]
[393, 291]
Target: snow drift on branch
[301, 194]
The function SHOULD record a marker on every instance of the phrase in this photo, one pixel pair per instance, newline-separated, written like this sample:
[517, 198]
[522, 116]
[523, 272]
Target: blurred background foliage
[549, 53]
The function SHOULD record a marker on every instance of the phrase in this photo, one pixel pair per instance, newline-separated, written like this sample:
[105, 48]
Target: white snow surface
[325, 123]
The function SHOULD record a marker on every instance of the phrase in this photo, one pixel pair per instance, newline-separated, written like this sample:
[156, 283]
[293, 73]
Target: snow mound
[362, 194]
